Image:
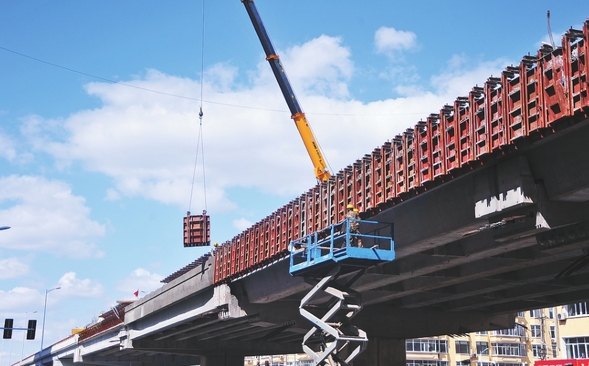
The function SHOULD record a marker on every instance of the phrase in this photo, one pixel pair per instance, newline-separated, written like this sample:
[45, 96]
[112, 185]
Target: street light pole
[22, 350]
[44, 313]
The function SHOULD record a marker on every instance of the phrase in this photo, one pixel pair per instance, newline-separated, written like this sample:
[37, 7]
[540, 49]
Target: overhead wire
[193, 98]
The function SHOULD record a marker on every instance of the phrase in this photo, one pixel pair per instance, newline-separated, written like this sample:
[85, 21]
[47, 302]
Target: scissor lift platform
[325, 256]
[316, 254]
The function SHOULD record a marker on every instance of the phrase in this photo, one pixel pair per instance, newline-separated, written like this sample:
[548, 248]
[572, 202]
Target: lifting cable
[200, 141]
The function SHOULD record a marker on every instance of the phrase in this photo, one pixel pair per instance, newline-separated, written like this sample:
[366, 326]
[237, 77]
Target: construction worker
[354, 225]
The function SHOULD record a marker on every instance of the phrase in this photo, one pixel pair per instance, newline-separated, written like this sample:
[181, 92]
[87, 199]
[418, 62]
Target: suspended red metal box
[449, 132]
[197, 230]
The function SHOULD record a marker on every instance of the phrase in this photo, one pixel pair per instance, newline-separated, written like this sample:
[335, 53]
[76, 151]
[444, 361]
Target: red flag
[136, 293]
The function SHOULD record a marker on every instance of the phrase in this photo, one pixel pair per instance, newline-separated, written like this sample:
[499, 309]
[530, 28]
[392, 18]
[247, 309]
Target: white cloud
[18, 298]
[46, 216]
[327, 74]
[146, 142]
[140, 279]
[462, 73]
[242, 224]
[112, 195]
[391, 41]
[72, 286]
[12, 268]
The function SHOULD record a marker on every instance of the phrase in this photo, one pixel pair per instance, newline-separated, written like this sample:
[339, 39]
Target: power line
[187, 97]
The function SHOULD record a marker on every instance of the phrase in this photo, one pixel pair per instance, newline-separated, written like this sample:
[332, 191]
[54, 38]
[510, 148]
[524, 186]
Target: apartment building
[553, 333]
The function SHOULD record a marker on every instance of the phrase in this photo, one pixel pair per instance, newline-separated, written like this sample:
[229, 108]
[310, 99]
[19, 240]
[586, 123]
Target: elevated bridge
[490, 205]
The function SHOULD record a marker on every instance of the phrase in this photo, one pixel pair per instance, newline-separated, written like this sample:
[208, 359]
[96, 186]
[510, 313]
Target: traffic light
[31, 329]
[8, 328]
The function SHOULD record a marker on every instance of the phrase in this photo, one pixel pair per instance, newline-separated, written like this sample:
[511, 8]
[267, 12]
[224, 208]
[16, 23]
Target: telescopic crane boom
[321, 170]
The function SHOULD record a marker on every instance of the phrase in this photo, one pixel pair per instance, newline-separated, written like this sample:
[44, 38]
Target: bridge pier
[226, 359]
[383, 352]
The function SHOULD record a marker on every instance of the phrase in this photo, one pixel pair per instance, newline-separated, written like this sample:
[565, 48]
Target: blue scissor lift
[325, 256]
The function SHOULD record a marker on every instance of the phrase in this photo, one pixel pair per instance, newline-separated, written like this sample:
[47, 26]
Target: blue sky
[95, 176]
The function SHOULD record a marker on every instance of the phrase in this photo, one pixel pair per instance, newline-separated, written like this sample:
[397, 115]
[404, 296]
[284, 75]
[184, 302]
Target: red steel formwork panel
[258, 243]
[357, 196]
[271, 232]
[240, 242]
[217, 272]
[410, 158]
[512, 97]
[281, 227]
[388, 159]
[478, 115]
[316, 208]
[436, 145]
[225, 260]
[377, 177]
[496, 121]
[449, 130]
[464, 131]
[583, 57]
[340, 195]
[400, 167]
[251, 240]
[233, 258]
[422, 153]
[574, 45]
[555, 88]
[296, 219]
[532, 97]
[367, 181]
[197, 230]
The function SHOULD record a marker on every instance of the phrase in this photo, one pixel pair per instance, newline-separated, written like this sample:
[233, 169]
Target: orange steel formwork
[528, 101]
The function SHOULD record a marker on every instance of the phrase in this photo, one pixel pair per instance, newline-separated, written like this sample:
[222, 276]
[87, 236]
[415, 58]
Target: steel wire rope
[200, 139]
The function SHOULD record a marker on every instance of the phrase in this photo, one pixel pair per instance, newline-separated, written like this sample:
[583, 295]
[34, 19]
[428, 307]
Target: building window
[485, 364]
[482, 333]
[516, 331]
[426, 363]
[551, 313]
[538, 351]
[554, 351]
[426, 345]
[535, 330]
[535, 313]
[521, 314]
[577, 347]
[577, 309]
[552, 332]
[482, 348]
[508, 364]
[509, 349]
[462, 347]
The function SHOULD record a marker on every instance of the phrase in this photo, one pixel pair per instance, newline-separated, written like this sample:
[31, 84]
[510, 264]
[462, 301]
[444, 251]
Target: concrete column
[383, 352]
[221, 360]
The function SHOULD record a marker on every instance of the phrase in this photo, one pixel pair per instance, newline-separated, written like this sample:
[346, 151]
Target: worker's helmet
[216, 244]
[350, 206]
[355, 210]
